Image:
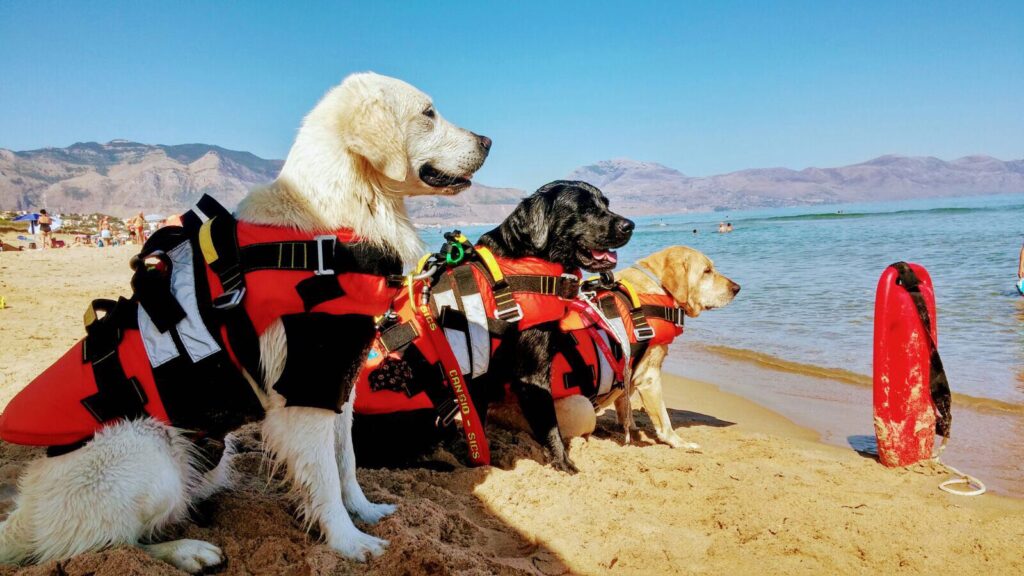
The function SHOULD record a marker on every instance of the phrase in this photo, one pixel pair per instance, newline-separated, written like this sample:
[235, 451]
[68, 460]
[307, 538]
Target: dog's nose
[735, 288]
[624, 226]
[485, 142]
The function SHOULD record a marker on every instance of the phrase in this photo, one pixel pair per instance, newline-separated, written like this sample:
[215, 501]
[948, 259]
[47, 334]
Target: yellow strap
[206, 242]
[461, 239]
[90, 315]
[422, 263]
[632, 293]
[491, 263]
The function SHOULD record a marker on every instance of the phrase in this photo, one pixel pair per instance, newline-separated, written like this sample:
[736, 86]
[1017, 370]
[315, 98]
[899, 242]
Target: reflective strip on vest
[473, 350]
[195, 337]
[479, 335]
[457, 341]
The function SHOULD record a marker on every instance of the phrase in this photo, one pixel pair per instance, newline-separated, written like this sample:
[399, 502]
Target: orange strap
[472, 427]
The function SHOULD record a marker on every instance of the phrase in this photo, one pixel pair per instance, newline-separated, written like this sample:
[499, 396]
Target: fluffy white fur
[358, 154]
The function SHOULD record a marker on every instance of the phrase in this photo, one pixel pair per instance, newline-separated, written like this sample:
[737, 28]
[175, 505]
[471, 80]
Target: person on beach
[138, 228]
[104, 232]
[45, 227]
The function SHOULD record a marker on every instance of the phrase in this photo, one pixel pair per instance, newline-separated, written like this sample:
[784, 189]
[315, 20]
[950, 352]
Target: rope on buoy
[978, 487]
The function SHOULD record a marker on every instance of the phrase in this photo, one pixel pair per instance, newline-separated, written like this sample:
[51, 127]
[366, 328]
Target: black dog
[565, 222]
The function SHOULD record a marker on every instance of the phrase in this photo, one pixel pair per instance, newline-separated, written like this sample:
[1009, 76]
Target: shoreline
[775, 363]
[987, 439]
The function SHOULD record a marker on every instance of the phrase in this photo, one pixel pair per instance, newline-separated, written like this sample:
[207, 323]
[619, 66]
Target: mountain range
[123, 178]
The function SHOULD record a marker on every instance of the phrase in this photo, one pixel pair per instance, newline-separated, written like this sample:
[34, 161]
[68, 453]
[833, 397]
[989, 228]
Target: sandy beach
[764, 495]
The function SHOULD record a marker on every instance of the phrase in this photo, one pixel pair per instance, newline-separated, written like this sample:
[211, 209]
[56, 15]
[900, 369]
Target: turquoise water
[809, 276]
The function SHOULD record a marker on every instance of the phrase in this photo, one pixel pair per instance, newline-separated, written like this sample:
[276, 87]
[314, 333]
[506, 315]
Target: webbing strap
[618, 363]
[117, 395]
[218, 241]
[566, 286]
[642, 330]
[581, 375]
[938, 383]
[673, 314]
[398, 336]
[472, 426]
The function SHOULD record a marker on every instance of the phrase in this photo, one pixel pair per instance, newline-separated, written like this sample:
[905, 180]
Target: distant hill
[647, 188]
[122, 178]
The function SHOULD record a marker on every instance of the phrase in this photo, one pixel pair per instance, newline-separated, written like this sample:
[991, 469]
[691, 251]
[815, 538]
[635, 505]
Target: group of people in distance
[136, 231]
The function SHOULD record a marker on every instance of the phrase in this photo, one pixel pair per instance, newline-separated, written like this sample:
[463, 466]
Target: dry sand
[763, 496]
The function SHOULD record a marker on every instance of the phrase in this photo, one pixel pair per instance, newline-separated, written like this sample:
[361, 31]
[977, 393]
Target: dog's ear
[371, 130]
[672, 266]
[528, 224]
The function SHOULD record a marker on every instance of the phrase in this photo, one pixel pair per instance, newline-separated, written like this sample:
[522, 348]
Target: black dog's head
[565, 222]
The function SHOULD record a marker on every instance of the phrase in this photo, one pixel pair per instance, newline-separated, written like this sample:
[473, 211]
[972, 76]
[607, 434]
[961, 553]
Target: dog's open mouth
[436, 179]
[596, 260]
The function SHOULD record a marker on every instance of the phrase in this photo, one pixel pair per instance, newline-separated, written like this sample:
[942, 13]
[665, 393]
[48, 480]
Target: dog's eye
[707, 270]
[429, 112]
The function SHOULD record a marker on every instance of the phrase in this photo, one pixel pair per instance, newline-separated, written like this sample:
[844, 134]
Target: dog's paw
[565, 465]
[360, 546]
[192, 556]
[677, 442]
[372, 513]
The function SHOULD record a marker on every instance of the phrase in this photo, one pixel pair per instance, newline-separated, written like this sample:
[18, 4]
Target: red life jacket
[175, 351]
[472, 304]
[643, 320]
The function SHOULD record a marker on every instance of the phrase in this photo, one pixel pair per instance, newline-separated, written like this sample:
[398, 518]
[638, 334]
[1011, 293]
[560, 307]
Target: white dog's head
[368, 143]
[395, 129]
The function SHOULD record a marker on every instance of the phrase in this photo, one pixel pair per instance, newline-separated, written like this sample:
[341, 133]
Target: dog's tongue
[607, 255]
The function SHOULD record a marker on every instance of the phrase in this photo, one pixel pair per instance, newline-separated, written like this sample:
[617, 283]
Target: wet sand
[987, 439]
[763, 494]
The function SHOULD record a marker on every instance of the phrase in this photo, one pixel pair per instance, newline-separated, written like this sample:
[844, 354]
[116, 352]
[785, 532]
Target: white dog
[367, 144]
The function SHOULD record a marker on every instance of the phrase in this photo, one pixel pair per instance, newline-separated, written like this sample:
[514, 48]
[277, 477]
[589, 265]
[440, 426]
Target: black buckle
[229, 299]
[320, 241]
[678, 316]
[446, 412]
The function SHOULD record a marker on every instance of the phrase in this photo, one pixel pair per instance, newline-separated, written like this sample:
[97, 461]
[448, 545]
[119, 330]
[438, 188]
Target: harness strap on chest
[117, 395]
[642, 330]
[672, 314]
[218, 241]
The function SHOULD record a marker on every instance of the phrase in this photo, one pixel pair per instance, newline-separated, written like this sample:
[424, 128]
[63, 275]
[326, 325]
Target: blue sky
[704, 87]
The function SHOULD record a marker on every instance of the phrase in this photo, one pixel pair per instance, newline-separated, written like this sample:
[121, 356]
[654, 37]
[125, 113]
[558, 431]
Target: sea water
[809, 275]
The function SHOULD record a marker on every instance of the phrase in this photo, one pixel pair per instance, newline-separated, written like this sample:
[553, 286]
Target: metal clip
[320, 240]
[517, 315]
[643, 333]
[229, 299]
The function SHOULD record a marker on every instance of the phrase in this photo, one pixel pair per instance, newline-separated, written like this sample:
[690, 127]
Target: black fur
[562, 222]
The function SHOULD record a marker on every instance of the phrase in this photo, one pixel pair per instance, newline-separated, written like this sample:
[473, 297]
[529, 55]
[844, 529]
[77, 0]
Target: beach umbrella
[31, 218]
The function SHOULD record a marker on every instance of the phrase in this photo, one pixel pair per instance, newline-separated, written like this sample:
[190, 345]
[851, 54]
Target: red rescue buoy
[911, 394]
